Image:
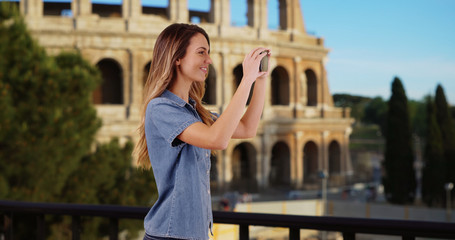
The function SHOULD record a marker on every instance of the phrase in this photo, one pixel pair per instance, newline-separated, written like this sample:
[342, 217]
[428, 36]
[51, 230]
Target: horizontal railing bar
[341, 224]
[109, 211]
[345, 225]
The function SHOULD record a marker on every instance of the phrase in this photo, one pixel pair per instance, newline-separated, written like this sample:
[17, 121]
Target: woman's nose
[208, 60]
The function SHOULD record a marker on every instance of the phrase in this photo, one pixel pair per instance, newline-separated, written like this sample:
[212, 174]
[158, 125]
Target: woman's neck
[181, 89]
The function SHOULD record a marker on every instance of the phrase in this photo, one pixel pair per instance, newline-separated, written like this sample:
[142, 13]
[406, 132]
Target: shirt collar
[180, 102]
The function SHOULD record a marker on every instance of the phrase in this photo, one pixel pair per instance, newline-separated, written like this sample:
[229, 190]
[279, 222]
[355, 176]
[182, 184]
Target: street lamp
[448, 187]
[324, 175]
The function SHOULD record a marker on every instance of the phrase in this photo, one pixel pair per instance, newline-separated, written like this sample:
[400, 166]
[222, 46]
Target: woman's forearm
[225, 126]
[248, 125]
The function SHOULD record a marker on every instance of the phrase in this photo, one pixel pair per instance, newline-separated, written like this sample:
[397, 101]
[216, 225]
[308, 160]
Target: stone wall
[123, 37]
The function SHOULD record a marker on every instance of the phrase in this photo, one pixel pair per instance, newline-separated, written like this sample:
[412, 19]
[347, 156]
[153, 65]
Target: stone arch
[244, 168]
[238, 75]
[280, 169]
[210, 87]
[312, 88]
[334, 158]
[145, 73]
[310, 162]
[280, 86]
[111, 89]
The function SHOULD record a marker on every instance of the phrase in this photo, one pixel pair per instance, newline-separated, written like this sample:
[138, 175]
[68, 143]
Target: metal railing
[348, 227]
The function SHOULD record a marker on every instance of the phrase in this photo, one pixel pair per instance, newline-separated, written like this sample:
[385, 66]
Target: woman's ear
[177, 63]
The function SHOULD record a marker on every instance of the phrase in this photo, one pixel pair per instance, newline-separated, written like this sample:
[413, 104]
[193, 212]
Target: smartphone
[264, 65]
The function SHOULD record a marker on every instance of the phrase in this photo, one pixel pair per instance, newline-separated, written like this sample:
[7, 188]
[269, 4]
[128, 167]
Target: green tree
[375, 112]
[447, 128]
[51, 122]
[107, 176]
[432, 179]
[356, 103]
[47, 129]
[418, 116]
[399, 179]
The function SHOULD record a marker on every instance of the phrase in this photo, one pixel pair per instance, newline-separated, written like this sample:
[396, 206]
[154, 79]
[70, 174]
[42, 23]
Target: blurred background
[358, 119]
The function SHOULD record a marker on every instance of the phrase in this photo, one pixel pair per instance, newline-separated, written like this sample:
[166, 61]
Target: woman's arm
[218, 135]
[248, 125]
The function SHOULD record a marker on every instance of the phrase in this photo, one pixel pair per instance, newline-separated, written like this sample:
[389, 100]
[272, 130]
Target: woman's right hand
[251, 64]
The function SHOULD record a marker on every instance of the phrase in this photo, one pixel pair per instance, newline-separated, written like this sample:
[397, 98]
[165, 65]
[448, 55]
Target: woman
[177, 132]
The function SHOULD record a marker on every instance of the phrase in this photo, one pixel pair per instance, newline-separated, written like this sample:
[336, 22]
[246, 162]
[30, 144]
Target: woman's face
[194, 66]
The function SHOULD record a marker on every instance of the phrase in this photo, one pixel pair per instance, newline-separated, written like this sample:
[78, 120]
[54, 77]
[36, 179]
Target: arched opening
[57, 8]
[153, 7]
[210, 87]
[280, 86]
[109, 9]
[310, 162]
[238, 75]
[199, 11]
[312, 88]
[145, 74]
[111, 89]
[244, 168]
[280, 170]
[239, 13]
[334, 158]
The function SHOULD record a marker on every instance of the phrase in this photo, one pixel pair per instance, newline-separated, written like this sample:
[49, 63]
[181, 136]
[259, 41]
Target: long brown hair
[170, 46]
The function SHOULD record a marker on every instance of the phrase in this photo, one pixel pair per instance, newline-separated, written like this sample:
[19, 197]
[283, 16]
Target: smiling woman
[177, 133]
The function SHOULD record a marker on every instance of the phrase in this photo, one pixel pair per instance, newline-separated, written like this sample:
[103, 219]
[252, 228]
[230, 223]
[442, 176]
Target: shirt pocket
[203, 162]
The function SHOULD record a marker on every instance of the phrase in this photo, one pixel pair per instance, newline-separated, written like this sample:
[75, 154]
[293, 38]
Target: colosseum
[301, 132]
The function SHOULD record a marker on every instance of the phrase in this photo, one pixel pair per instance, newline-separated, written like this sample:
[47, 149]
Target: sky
[372, 42]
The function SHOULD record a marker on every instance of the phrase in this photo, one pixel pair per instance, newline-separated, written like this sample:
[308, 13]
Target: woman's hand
[251, 65]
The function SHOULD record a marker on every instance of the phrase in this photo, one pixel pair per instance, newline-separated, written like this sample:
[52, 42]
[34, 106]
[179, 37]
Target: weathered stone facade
[301, 131]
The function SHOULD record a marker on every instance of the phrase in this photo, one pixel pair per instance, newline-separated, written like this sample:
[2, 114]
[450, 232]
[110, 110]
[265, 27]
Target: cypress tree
[399, 180]
[432, 179]
[447, 128]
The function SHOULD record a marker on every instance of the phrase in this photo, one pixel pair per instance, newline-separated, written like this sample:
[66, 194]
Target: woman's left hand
[251, 64]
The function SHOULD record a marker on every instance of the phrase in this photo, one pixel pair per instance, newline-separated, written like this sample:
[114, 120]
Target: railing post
[76, 227]
[113, 228]
[244, 233]
[294, 233]
[348, 236]
[40, 228]
[8, 226]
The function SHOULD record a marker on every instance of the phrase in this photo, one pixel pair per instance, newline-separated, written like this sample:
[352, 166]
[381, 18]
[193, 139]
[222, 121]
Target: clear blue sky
[371, 42]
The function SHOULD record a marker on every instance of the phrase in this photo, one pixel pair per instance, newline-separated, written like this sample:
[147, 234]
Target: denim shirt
[182, 172]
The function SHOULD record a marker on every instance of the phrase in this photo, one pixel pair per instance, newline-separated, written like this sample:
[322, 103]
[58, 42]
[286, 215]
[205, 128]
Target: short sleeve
[170, 120]
[215, 116]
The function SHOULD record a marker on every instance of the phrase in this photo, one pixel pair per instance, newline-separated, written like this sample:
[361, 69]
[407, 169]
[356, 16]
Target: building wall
[123, 37]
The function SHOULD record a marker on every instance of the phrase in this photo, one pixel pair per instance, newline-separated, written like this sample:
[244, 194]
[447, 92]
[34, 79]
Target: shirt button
[208, 191]
[206, 154]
